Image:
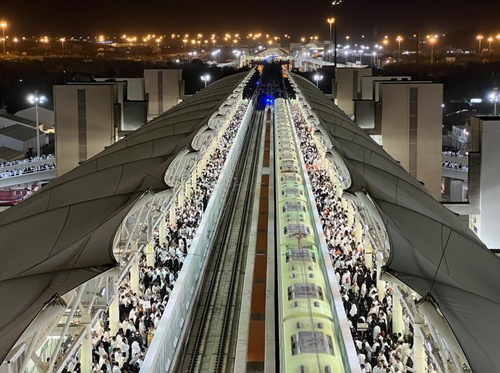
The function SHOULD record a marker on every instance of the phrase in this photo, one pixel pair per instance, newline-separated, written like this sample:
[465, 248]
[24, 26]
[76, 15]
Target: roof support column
[180, 197]
[380, 283]
[397, 311]
[161, 229]
[419, 358]
[69, 320]
[150, 254]
[30, 351]
[114, 313]
[350, 214]
[86, 347]
[358, 230]
[134, 269]
[368, 253]
[187, 188]
[171, 214]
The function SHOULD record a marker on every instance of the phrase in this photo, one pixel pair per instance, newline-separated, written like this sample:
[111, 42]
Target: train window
[294, 206]
[292, 275]
[297, 230]
[310, 268]
[311, 275]
[302, 369]
[328, 369]
[292, 192]
[311, 342]
[292, 268]
[297, 325]
[305, 291]
[316, 304]
[287, 156]
[300, 255]
[289, 168]
[290, 177]
[320, 325]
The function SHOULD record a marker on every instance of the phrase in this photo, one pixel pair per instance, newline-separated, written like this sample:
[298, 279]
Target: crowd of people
[23, 161]
[140, 313]
[455, 166]
[369, 313]
[456, 154]
[27, 170]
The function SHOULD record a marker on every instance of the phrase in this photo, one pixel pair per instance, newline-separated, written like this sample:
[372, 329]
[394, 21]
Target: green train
[307, 338]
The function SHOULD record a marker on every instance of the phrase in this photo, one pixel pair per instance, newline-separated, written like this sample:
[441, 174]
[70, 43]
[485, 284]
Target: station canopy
[62, 236]
[431, 250]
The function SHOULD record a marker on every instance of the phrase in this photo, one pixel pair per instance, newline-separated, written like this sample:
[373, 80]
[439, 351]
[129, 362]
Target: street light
[331, 21]
[62, 40]
[205, 78]
[490, 39]
[3, 25]
[317, 78]
[15, 40]
[399, 40]
[432, 40]
[35, 99]
[479, 38]
[494, 97]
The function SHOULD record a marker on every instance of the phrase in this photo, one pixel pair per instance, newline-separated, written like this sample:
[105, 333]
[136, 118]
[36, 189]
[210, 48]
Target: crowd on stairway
[369, 313]
[27, 170]
[140, 312]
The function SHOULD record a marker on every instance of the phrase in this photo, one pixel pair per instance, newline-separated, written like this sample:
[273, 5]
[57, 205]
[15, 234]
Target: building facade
[164, 89]
[87, 119]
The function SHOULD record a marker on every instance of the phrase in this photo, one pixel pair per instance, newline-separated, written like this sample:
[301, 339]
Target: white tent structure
[430, 250]
[63, 235]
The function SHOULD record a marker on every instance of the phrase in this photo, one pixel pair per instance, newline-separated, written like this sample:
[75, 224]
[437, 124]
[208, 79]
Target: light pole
[15, 40]
[330, 21]
[317, 78]
[479, 39]
[3, 25]
[62, 40]
[431, 40]
[399, 40]
[36, 99]
[205, 78]
[490, 39]
[495, 98]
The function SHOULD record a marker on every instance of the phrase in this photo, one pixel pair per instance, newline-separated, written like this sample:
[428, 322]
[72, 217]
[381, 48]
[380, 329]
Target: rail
[165, 342]
[216, 308]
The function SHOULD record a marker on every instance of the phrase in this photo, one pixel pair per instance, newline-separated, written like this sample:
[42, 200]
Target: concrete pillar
[350, 214]
[397, 311]
[162, 230]
[358, 232]
[380, 283]
[180, 197]
[187, 188]
[368, 254]
[171, 214]
[114, 313]
[194, 176]
[419, 357]
[86, 347]
[134, 273]
[150, 254]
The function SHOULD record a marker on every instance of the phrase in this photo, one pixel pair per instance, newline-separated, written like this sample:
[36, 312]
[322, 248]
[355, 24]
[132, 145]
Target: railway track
[209, 347]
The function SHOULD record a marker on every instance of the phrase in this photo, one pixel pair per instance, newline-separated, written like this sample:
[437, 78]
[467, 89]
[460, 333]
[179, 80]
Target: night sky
[297, 18]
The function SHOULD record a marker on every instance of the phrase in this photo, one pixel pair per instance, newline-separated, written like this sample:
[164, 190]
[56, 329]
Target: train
[306, 322]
